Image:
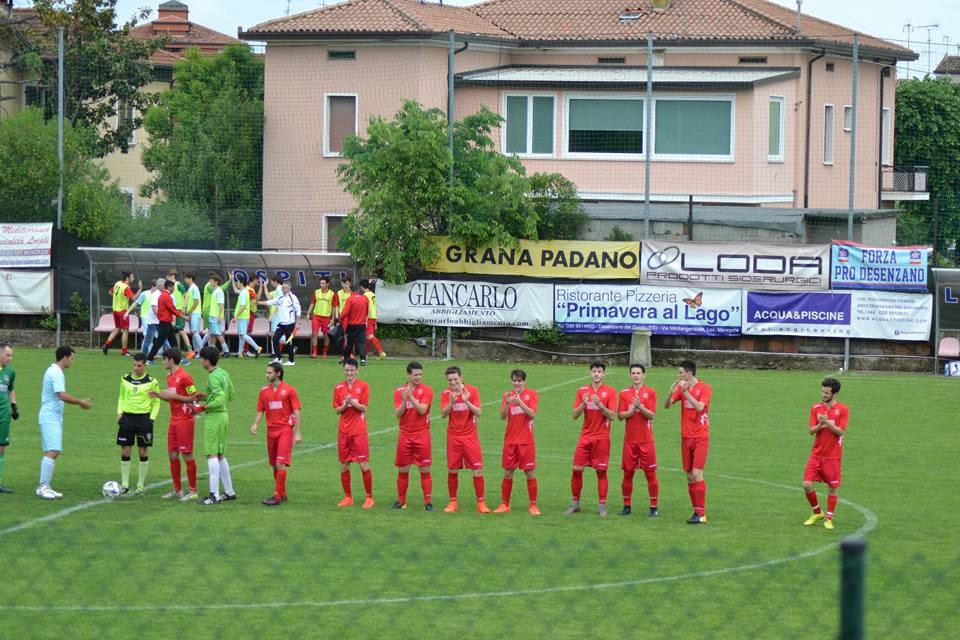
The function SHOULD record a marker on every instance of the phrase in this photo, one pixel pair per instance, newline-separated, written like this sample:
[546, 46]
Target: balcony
[904, 183]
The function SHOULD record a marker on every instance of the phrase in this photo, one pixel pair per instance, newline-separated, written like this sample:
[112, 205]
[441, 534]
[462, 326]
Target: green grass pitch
[82, 567]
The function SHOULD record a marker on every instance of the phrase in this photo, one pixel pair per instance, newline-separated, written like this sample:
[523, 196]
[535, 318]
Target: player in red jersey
[180, 393]
[694, 434]
[350, 400]
[638, 406]
[280, 402]
[828, 423]
[412, 406]
[597, 403]
[519, 407]
[460, 404]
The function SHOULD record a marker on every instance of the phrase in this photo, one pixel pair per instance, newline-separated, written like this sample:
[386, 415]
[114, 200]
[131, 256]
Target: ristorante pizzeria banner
[548, 259]
[853, 314]
[444, 303]
[858, 266]
[736, 265]
[588, 308]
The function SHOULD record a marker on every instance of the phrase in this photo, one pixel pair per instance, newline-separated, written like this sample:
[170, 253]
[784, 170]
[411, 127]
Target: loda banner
[444, 303]
[577, 259]
[26, 292]
[734, 265]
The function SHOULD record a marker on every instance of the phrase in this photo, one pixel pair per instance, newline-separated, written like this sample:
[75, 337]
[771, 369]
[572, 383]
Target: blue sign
[857, 266]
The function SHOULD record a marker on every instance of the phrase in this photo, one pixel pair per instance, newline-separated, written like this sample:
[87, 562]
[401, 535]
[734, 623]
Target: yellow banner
[576, 259]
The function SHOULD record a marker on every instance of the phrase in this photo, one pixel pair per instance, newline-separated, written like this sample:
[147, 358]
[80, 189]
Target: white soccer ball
[111, 489]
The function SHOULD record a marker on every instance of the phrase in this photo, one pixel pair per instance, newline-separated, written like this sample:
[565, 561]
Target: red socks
[376, 343]
[403, 482]
[602, 486]
[478, 488]
[453, 480]
[175, 474]
[531, 489]
[576, 483]
[814, 502]
[368, 482]
[345, 482]
[831, 505]
[627, 488]
[426, 483]
[698, 496]
[281, 481]
[506, 488]
[192, 475]
[653, 487]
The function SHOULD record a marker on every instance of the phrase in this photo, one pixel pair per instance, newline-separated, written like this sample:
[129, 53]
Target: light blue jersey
[51, 406]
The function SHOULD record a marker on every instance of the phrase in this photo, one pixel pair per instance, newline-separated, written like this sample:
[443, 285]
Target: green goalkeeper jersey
[133, 395]
[219, 391]
[7, 376]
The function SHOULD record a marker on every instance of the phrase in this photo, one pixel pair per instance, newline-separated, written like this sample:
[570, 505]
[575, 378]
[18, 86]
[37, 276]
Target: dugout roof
[150, 261]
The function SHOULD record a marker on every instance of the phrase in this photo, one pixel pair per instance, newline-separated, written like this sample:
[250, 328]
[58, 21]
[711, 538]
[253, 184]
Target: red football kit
[694, 426]
[352, 445]
[519, 448]
[321, 324]
[278, 405]
[413, 444]
[593, 448]
[823, 465]
[355, 310]
[180, 431]
[639, 451]
[463, 443]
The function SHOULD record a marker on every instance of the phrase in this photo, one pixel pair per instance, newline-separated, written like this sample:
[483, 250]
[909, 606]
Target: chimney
[173, 8]
[661, 5]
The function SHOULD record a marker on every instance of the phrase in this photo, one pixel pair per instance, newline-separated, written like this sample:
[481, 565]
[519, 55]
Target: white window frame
[132, 140]
[327, 153]
[847, 109]
[692, 157]
[133, 199]
[886, 137]
[600, 156]
[828, 128]
[503, 130]
[783, 117]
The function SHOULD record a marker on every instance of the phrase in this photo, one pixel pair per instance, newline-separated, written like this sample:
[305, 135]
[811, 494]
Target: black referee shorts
[135, 428]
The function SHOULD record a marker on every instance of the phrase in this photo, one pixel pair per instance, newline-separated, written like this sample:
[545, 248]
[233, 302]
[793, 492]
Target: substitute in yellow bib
[366, 288]
[320, 313]
[121, 295]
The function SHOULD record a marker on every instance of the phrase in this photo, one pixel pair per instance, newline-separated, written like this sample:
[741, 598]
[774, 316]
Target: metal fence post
[852, 565]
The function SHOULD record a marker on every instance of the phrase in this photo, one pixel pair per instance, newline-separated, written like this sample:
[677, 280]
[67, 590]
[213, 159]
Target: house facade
[752, 104]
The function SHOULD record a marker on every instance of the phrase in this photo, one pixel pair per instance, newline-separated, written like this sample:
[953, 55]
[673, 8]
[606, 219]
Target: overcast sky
[884, 18]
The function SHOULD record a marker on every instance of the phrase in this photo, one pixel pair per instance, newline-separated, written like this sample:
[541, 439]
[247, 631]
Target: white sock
[213, 473]
[225, 477]
[46, 469]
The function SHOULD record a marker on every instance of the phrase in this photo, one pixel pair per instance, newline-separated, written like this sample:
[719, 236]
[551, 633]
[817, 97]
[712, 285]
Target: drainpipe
[806, 150]
[884, 72]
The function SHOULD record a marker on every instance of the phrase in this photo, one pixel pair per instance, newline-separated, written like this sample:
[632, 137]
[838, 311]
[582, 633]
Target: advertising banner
[857, 266]
[854, 314]
[25, 244]
[548, 259]
[736, 265]
[24, 292]
[948, 298]
[589, 308]
[444, 303]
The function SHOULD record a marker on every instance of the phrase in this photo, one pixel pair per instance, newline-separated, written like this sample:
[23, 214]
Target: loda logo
[734, 263]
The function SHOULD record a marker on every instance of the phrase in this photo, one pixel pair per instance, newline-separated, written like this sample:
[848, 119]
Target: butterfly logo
[695, 301]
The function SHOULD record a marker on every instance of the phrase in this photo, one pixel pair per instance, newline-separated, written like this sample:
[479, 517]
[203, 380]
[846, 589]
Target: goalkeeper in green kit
[219, 392]
[8, 405]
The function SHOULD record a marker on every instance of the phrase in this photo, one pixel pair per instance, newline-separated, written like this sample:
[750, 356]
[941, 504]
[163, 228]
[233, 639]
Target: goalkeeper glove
[14, 411]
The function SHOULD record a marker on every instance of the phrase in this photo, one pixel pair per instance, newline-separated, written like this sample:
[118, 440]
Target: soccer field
[83, 567]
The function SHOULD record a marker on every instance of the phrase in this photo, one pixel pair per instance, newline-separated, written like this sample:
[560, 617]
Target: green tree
[928, 133]
[399, 175]
[103, 66]
[28, 188]
[206, 143]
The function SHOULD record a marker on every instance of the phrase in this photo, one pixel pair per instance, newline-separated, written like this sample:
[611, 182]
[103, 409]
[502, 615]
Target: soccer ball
[111, 489]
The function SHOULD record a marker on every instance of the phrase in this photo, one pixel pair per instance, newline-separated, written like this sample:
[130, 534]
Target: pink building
[751, 102]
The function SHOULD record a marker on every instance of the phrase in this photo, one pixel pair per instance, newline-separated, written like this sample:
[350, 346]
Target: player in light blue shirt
[53, 395]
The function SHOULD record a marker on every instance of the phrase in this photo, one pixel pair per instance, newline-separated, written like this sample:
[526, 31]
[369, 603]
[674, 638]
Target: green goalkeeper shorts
[4, 433]
[215, 439]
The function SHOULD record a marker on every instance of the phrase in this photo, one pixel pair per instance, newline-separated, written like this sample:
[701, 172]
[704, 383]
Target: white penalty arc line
[252, 463]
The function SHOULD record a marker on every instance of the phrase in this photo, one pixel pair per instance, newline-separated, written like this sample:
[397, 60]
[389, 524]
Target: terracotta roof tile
[196, 34]
[949, 64]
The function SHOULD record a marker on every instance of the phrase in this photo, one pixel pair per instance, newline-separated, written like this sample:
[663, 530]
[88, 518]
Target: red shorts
[592, 452]
[371, 327]
[637, 455]
[320, 325]
[413, 449]
[353, 448]
[694, 453]
[463, 452]
[280, 445]
[121, 320]
[519, 456]
[825, 470]
[180, 436]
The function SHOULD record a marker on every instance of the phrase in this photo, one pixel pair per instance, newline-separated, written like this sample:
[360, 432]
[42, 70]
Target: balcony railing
[905, 179]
